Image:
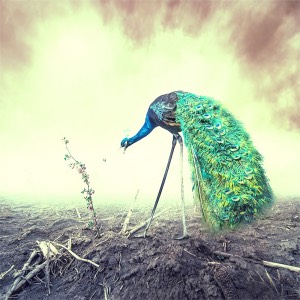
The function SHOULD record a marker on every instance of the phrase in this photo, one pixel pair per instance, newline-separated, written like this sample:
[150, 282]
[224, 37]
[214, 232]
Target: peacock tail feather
[229, 180]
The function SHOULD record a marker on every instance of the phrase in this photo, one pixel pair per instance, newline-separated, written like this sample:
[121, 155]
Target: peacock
[229, 181]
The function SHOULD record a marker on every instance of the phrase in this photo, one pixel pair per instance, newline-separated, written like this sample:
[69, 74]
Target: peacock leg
[161, 187]
[185, 233]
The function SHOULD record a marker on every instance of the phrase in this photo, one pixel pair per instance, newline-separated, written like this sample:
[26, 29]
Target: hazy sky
[88, 70]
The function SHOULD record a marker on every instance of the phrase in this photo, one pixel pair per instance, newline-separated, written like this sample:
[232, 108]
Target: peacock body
[227, 172]
[229, 180]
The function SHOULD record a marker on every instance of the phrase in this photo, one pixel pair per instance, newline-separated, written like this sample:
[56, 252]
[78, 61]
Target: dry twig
[106, 291]
[2, 275]
[47, 273]
[127, 219]
[18, 283]
[69, 243]
[264, 262]
[76, 256]
[26, 265]
[47, 247]
[271, 281]
[143, 224]
[78, 213]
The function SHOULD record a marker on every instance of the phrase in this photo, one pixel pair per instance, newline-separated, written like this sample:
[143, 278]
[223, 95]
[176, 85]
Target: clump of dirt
[224, 265]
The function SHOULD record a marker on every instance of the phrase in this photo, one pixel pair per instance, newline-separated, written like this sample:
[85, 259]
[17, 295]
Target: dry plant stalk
[2, 275]
[144, 223]
[271, 281]
[88, 192]
[69, 243]
[277, 265]
[76, 256]
[18, 283]
[263, 262]
[26, 265]
[47, 272]
[78, 213]
[127, 219]
[49, 252]
[105, 289]
[47, 247]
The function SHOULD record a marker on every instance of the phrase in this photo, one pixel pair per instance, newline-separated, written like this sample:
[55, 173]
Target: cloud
[266, 40]
[89, 70]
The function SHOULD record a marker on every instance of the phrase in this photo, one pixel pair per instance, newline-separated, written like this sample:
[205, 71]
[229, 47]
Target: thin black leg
[185, 233]
[161, 187]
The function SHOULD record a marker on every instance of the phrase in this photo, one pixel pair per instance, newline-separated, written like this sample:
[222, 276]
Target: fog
[88, 70]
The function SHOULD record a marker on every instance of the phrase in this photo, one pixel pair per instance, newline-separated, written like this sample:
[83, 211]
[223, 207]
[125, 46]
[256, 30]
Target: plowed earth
[224, 265]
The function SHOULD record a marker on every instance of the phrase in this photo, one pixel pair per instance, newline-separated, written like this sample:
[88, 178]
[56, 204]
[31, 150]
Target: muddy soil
[226, 265]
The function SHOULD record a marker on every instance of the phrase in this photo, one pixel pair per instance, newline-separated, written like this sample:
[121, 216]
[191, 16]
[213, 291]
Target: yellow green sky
[88, 70]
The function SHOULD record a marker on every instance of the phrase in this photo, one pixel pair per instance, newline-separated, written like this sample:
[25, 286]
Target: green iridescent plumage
[229, 180]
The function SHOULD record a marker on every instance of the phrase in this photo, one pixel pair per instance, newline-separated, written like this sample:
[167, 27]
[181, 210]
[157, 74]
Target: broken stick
[264, 262]
[26, 265]
[47, 272]
[278, 265]
[2, 275]
[127, 219]
[76, 256]
[78, 213]
[47, 247]
[143, 224]
[19, 283]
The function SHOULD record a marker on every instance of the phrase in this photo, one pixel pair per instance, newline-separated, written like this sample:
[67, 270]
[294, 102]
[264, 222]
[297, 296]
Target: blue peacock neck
[144, 131]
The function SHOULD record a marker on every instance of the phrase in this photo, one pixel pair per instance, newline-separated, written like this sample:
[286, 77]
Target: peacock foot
[142, 235]
[182, 237]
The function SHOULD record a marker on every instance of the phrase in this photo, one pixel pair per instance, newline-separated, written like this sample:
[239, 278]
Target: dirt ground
[226, 265]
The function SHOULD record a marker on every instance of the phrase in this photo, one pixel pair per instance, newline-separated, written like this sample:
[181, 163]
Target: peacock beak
[125, 144]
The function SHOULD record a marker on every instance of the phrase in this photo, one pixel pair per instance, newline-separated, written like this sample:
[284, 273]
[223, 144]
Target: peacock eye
[234, 148]
[248, 170]
[218, 125]
[227, 191]
[225, 218]
[235, 198]
[209, 127]
[222, 131]
[249, 176]
[236, 157]
[207, 116]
